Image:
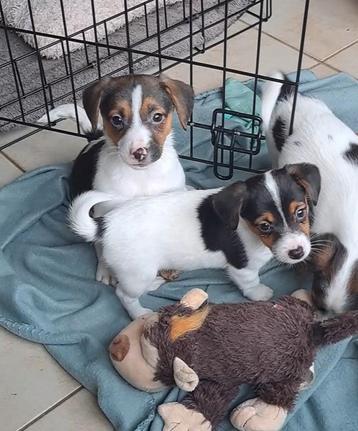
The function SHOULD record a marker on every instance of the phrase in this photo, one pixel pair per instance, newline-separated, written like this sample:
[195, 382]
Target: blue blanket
[48, 293]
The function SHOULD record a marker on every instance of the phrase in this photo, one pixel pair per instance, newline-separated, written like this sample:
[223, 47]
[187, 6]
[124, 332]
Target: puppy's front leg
[248, 280]
[132, 305]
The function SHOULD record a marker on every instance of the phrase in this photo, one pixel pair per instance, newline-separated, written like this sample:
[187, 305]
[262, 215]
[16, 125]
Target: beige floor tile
[8, 171]
[241, 56]
[31, 381]
[322, 70]
[332, 24]
[78, 413]
[347, 60]
[46, 147]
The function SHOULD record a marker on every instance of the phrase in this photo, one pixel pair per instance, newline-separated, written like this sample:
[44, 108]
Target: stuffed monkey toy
[209, 350]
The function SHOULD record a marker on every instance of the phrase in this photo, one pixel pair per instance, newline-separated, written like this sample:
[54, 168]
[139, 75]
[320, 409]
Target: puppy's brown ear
[91, 99]
[228, 202]
[308, 177]
[182, 96]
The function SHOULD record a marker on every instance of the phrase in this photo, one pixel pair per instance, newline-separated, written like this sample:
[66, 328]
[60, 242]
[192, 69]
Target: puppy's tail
[336, 329]
[273, 92]
[79, 216]
[67, 111]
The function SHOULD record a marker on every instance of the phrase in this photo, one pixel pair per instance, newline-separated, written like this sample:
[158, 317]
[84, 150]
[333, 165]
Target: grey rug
[59, 87]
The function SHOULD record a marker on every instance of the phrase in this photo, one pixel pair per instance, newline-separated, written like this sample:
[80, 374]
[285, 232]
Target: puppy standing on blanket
[134, 155]
[239, 228]
[319, 137]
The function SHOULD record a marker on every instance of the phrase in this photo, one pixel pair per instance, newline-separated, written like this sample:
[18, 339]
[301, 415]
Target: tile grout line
[50, 409]
[9, 159]
[349, 45]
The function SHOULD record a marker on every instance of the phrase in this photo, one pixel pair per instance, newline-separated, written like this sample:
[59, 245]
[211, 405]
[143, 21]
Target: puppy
[128, 121]
[239, 227]
[319, 137]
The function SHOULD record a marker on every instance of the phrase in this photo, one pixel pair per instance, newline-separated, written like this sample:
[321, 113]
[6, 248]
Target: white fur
[145, 235]
[322, 139]
[68, 111]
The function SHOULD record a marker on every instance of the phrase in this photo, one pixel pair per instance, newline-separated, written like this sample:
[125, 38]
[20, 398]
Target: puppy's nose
[119, 347]
[297, 253]
[140, 154]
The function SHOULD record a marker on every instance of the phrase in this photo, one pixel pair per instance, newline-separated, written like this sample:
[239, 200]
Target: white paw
[103, 274]
[139, 311]
[261, 292]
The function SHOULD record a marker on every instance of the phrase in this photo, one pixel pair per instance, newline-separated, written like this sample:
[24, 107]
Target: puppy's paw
[256, 415]
[169, 274]
[261, 292]
[177, 417]
[103, 274]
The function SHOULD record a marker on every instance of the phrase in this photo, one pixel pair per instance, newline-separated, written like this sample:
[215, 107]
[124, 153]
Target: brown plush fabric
[267, 344]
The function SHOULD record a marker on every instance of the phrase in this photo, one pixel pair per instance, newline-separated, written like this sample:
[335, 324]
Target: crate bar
[299, 63]
[93, 9]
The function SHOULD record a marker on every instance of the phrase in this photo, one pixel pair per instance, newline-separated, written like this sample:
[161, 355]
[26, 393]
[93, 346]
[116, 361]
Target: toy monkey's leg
[269, 411]
[202, 409]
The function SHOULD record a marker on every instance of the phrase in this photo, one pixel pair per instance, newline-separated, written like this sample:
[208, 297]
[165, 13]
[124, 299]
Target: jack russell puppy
[239, 228]
[319, 137]
[128, 121]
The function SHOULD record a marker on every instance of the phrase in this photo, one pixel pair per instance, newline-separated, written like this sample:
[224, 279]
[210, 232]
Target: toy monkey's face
[134, 357]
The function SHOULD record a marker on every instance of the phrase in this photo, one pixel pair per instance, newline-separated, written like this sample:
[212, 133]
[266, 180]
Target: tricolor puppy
[239, 228]
[131, 153]
[319, 137]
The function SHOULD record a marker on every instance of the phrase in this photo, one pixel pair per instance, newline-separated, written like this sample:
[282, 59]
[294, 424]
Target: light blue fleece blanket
[48, 293]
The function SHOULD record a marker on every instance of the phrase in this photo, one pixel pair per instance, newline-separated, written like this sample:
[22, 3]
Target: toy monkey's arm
[200, 410]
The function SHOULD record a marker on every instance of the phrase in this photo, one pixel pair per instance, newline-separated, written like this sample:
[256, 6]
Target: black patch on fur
[218, 236]
[279, 133]
[84, 169]
[101, 226]
[352, 154]
[286, 90]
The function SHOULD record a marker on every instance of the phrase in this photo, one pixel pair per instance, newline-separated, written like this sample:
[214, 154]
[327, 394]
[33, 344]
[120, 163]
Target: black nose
[140, 154]
[297, 253]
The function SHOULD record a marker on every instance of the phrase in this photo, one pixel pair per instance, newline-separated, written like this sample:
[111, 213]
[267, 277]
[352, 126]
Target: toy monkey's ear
[194, 299]
[184, 376]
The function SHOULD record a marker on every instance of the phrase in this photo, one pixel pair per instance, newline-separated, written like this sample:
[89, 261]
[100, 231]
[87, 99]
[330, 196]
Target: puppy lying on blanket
[319, 137]
[128, 122]
[239, 227]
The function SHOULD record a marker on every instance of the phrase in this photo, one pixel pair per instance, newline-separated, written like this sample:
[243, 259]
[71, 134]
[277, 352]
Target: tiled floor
[36, 393]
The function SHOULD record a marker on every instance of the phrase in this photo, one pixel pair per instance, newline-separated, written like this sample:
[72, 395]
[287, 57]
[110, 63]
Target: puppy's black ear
[91, 99]
[228, 202]
[182, 96]
[308, 177]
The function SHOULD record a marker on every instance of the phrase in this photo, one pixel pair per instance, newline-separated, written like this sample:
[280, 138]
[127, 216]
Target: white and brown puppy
[239, 228]
[319, 137]
[128, 120]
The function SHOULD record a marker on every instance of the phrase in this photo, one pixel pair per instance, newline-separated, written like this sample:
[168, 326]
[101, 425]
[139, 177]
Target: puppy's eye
[117, 121]
[301, 214]
[265, 227]
[157, 117]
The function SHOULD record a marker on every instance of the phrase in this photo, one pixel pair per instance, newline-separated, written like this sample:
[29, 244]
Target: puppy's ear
[91, 99]
[182, 96]
[228, 202]
[308, 177]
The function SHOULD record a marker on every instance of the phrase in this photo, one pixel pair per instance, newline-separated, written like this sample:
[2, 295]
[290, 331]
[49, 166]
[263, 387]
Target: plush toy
[210, 350]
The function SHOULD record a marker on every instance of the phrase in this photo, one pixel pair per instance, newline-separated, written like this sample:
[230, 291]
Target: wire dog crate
[154, 34]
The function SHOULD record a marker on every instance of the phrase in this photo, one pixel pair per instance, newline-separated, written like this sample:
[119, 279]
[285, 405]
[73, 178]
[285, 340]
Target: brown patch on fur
[268, 239]
[115, 135]
[181, 325]
[162, 130]
[120, 348]
[304, 226]
[266, 216]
